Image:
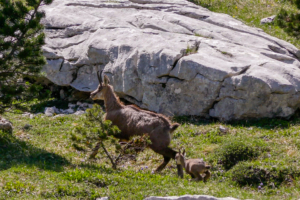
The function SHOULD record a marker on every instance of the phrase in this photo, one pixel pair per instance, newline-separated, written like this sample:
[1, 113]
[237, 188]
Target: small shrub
[290, 21]
[94, 130]
[233, 152]
[254, 174]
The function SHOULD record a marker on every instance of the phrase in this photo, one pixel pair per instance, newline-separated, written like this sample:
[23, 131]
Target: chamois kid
[132, 120]
[194, 167]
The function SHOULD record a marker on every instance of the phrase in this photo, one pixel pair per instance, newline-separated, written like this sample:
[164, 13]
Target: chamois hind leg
[198, 177]
[169, 153]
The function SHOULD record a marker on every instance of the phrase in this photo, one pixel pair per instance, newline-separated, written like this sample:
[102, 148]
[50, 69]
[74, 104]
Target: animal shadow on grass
[14, 152]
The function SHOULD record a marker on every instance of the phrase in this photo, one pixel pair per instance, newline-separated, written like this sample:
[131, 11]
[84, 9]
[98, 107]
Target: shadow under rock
[263, 123]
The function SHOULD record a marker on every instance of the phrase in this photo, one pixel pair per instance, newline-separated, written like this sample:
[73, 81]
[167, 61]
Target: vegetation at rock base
[285, 27]
[21, 57]
[41, 162]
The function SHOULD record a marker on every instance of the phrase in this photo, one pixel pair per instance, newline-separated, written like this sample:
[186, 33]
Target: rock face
[172, 57]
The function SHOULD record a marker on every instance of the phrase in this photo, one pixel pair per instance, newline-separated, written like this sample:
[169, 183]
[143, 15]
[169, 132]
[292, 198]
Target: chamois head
[180, 157]
[98, 93]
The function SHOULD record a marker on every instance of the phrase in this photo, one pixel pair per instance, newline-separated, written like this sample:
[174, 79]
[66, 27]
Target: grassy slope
[252, 11]
[41, 163]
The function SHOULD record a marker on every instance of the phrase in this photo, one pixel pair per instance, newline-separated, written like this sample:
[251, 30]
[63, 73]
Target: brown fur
[132, 120]
[194, 167]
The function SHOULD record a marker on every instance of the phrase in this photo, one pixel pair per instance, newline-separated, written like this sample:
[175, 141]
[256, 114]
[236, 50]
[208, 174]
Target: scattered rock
[80, 112]
[5, 125]
[50, 111]
[59, 115]
[69, 111]
[81, 107]
[223, 129]
[71, 105]
[102, 198]
[26, 114]
[27, 126]
[267, 20]
[30, 115]
[190, 197]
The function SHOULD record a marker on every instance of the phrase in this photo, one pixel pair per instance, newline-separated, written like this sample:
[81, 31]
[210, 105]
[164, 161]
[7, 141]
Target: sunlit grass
[252, 11]
[41, 163]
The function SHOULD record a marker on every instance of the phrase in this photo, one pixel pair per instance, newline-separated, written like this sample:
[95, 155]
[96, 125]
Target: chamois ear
[183, 152]
[106, 80]
[179, 151]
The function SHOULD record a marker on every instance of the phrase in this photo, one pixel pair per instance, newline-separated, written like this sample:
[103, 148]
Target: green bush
[290, 21]
[235, 151]
[254, 174]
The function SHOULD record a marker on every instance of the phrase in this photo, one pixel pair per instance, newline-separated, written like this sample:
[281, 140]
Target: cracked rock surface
[172, 57]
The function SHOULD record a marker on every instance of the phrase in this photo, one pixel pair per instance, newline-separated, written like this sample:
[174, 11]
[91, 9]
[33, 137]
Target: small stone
[70, 105]
[223, 129]
[27, 126]
[5, 125]
[60, 115]
[102, 198]
[267, 20]
[69, 111]
[80, 112]
[85, 105]
[26, 114]
[32, 116]
[78, 103]
[50, 111]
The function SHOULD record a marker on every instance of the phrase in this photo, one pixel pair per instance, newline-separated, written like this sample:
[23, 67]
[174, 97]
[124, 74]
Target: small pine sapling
[94, 129]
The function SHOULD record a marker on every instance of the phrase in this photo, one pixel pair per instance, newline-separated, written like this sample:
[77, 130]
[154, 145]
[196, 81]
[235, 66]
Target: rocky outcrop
[172, 57]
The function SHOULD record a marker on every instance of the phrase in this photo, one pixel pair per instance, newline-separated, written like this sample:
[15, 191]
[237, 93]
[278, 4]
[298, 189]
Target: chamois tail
[174, 127]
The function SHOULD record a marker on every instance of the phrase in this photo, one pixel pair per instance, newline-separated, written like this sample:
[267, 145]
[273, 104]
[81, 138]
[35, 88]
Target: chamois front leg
[207, 175]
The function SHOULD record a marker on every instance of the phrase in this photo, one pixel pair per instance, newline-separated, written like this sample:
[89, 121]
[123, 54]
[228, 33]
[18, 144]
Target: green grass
[252, 11]
[41, 163]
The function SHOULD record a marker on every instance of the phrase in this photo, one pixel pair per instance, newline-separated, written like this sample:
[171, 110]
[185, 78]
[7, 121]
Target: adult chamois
[132, 120]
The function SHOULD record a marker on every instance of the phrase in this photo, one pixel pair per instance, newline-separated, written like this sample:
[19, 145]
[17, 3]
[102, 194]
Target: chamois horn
[99, 75]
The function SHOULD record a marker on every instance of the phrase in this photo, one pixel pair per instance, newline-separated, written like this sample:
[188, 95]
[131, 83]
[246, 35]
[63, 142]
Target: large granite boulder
[172, 57]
